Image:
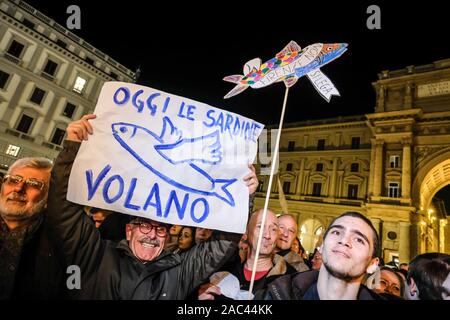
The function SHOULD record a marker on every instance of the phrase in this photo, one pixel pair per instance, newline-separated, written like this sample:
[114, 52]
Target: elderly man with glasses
[28, 267]
[138, 267]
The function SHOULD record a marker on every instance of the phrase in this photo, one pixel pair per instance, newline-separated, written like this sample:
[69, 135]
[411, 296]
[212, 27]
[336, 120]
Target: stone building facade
[387, 165]
[48, 78]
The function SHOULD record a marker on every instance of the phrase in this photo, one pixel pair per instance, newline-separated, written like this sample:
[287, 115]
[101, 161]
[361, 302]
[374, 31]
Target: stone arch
[311, 164]
[364, 164]
[284, 163]
[430, 178]
[307, 229]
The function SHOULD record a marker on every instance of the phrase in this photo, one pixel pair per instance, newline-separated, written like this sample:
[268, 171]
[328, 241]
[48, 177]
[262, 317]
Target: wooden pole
[269, 188]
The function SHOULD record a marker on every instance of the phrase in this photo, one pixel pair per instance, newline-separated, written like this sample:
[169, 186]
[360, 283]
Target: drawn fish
[284, 66]
[173, 158]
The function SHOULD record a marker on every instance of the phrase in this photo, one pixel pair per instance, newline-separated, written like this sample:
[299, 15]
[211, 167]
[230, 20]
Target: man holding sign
[166, 160]
[135, 268]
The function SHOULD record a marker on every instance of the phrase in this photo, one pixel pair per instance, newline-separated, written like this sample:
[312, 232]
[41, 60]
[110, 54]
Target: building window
[321, 144]
[286, 187]
[114, 75]
[25, 124]
[3, 79]
[58, 136]
[354, 167]
[69, 110]
[15, 49]
[394, 161]
[28, 23]
[291, 145]
[353, 191]
[356, 142]
[79, 85]
[50, 67]
[319, 167]
[12, 150]
[289, 167]
[37, 96]
[61, 43]
[89, 60]
[317, 189]
[394, 190]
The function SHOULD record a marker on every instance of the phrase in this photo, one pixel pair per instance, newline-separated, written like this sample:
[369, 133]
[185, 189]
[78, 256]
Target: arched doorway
[430, 193]
[438, 235]
[311, 233]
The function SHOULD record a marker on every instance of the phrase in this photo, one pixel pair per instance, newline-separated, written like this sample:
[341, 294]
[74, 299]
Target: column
[372, 168]
[406, 169]
[404, 242]
[298, 189]
[442, 224]
[305, 182]
[378, 174]
[340, 182]
[377, 225]
[332, 191]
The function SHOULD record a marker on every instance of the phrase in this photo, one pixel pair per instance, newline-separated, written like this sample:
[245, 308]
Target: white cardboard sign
[166, 158]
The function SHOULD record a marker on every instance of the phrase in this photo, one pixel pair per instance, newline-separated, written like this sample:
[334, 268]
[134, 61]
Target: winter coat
[28, 264]
[110, 270]
[294, 287]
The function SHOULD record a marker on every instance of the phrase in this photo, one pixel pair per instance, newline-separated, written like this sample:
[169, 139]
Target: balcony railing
[12, 58]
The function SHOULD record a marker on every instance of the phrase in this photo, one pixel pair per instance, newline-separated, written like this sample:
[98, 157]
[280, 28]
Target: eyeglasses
[16, 179]
[391, 287]
[146, 228]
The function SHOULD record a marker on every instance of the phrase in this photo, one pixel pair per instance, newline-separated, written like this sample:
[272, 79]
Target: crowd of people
[129, 257]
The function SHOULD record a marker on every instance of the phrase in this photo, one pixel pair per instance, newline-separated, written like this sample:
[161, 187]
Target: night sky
[186, 49]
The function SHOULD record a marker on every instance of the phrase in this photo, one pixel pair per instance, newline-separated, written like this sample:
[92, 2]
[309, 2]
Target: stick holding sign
[288, 65]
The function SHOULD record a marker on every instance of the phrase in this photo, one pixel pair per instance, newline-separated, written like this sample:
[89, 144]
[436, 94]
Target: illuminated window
[394, 161]
[13, 150]
[80, 83]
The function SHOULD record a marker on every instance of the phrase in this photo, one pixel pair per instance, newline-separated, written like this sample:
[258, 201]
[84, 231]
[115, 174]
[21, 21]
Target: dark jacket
[294, 287]
[110, 270]
[29, 266]
[280, 268]
[294, 259]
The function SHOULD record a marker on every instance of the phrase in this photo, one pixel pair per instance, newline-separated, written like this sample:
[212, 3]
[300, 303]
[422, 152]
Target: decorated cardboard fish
[288, 66]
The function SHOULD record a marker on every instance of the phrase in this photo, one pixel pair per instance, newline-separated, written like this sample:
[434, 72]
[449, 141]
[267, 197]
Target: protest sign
[166, 158]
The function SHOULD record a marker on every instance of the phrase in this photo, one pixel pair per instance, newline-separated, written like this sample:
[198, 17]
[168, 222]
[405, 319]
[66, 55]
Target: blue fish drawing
[169, 154]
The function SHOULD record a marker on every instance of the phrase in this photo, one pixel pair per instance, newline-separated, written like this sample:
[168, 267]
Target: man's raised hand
[81, 129]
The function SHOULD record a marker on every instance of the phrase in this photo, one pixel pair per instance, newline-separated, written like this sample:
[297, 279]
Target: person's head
[350, 247]
[186, 238]
[403, 266]
[202, 234]
[174, 231]
[390, 282]
[446, 284]
[24, 190]
[316, 260]
[146, 238]
[270, 233]
[402, 273]
[99, 215]
[296, 246]
[243, 247]
[426, 275]
[288, 231]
